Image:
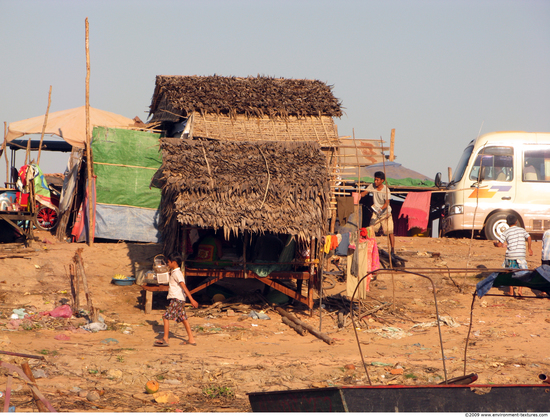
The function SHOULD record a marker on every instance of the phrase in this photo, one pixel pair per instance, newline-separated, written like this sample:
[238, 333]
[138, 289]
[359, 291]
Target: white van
[500, 173]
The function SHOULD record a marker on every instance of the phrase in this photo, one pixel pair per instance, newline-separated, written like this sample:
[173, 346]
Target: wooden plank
[289, 292]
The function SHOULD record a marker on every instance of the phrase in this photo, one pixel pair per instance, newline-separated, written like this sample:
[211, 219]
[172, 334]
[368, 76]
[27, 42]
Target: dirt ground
[107, 370]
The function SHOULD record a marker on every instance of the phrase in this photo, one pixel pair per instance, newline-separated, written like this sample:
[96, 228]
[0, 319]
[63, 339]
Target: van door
[492, 190]
[533, 196]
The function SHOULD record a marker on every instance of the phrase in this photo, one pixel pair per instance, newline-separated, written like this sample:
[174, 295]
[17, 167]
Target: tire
[331, 283]
[496, 225]
[46, 218]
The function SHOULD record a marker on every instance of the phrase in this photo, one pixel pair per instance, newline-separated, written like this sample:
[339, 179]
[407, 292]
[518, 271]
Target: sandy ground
[235, 354]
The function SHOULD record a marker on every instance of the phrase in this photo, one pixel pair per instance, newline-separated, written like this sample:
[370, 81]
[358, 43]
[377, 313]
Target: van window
[496, 163]
[536, 163]
[462, 164]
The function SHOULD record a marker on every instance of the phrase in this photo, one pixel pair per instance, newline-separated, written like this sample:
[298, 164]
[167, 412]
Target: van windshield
[462, 164]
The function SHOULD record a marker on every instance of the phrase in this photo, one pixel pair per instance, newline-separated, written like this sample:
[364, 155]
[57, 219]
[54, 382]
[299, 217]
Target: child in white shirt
[177, 291]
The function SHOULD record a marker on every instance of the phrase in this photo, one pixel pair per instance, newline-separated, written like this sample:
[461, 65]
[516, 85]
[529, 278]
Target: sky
[439, 72]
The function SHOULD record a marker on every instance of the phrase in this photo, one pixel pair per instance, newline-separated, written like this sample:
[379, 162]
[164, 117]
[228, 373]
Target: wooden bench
[12, 217]
[219, 274]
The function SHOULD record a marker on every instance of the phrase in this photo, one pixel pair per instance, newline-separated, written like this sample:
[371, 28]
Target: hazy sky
[436, 71]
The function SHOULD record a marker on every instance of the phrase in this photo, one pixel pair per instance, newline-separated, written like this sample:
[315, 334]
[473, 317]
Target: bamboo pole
[92, 312]
[5, 150]
[88, 143]
[44, 127]
[392, 144]
[387, 220]
[358, 213]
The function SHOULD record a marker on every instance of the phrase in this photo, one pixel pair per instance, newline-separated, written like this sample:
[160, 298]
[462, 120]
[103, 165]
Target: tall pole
[392, 144]
[88, 143]
[44, 127]
[5, 149]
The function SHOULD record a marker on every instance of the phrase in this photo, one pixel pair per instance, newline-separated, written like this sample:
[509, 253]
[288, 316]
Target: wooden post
[320, 272]
[5, 148]
[244, 255]
[28, 152]
[392, 144]
[88, 144]
[75, 287]
[44, 127]
[92, 312]
[31, 205]
[326, 338]
[39, 404]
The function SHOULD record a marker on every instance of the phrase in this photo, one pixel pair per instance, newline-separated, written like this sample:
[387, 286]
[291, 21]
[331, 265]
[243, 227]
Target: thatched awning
[238, 186]
[179, 96]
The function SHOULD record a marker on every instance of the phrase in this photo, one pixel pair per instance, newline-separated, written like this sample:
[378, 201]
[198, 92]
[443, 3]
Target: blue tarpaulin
[538, 280]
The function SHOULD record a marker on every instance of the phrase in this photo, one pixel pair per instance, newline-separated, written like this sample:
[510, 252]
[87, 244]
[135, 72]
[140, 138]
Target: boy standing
[382, 210]
[513, 239]
[176, 295]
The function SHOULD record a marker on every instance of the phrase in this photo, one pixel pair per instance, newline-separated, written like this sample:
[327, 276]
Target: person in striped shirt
[513, 239]
[545, 256]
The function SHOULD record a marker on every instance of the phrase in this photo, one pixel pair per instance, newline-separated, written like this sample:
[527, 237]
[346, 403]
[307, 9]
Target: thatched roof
[237, 186]
[179, 96]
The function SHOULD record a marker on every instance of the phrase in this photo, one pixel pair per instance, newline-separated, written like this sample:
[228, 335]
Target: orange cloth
[333, 242]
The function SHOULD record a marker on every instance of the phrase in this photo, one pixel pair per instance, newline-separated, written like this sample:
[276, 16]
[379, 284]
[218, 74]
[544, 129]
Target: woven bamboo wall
[322, 129]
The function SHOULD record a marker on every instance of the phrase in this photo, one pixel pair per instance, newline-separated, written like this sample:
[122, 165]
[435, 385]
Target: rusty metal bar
[436, 314]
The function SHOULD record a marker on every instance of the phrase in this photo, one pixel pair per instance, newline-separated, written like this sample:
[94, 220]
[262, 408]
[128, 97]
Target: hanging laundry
[333, 242]
[416, 208]
[328, 243]
[342, 248]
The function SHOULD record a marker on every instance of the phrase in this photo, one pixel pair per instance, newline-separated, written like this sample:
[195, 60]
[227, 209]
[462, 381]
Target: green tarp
[409, 182]
[396, 175]
[124, 163]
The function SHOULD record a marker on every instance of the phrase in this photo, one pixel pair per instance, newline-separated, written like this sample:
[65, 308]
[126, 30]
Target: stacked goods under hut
[236, 186]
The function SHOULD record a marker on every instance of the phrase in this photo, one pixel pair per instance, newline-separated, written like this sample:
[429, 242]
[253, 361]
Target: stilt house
[244, 156]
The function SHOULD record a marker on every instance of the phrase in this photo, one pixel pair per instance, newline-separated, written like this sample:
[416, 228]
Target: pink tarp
[416, 208]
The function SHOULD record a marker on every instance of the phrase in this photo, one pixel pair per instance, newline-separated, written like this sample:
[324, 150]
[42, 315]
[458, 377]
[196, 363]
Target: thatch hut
[244, 156]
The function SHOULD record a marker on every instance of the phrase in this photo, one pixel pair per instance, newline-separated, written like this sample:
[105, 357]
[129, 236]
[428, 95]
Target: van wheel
[496, 225]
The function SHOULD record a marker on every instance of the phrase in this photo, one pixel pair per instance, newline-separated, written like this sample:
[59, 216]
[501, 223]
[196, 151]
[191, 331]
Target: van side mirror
[437, 180]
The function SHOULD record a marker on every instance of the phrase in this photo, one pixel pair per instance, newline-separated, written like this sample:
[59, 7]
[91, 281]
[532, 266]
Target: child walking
[177, 291]
[513, 239]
